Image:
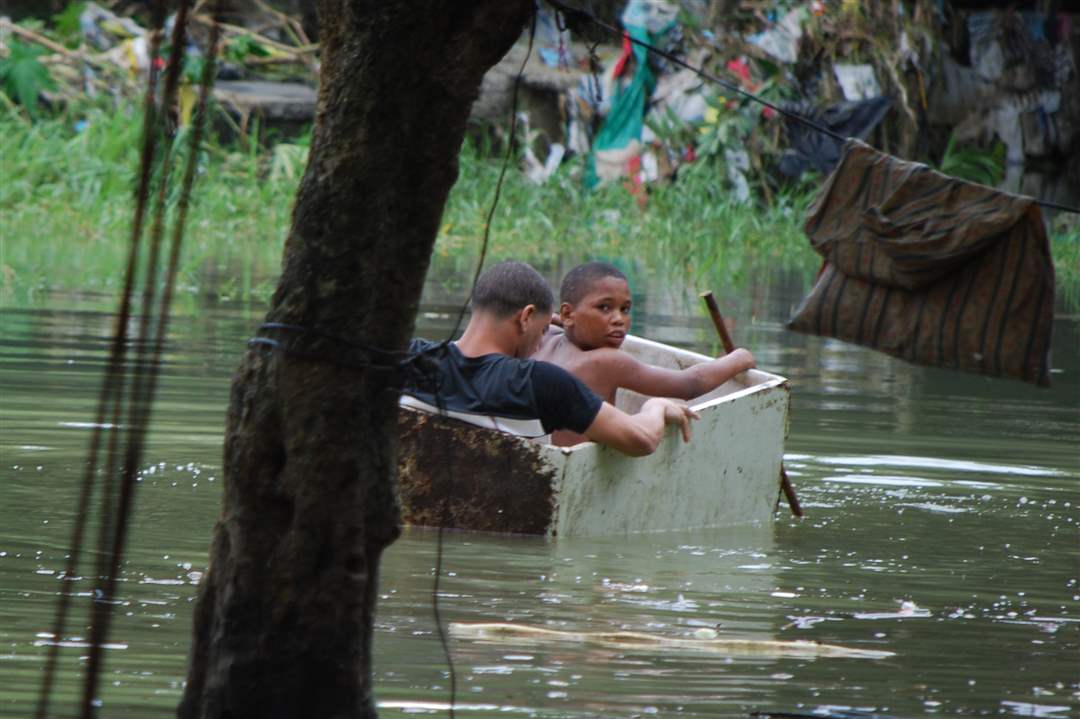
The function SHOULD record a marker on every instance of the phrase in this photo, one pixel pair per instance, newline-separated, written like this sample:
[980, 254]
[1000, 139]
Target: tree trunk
[283, 622]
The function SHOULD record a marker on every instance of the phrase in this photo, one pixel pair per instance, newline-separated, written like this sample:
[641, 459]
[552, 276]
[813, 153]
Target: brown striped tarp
[929, 268]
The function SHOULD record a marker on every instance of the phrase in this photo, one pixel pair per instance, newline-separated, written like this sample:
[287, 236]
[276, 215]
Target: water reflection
[943, 525]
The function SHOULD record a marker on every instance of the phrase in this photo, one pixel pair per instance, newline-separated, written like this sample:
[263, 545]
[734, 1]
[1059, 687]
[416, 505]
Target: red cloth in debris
[624, 56]
[929, 268]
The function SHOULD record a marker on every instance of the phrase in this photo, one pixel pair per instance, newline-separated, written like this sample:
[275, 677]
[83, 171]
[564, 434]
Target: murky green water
[943, 525]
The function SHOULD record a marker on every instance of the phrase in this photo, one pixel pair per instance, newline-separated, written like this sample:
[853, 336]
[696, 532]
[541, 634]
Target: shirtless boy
[488, 370]
[595, 313]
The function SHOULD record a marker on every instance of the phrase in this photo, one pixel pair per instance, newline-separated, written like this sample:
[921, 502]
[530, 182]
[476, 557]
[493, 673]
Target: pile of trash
[919, 79]
[89, 51]
[916, 84]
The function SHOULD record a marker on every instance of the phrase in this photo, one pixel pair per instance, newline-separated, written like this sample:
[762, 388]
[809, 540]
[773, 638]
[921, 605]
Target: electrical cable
[419, 368]
[444, 510]
[499, 183]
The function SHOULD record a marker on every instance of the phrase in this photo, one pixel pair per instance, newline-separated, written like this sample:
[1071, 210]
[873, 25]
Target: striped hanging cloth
[930, 269]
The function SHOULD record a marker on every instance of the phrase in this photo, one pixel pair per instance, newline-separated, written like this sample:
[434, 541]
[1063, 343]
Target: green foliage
[730, 128]
[67, 196]
[33, 23]
[22, 76]
[66, 203]
[240, 47]
[672, 130]
[732, 123]
[192, 68]
[66, 24]
[974, 164]
[692, 230]
[1065, 234]
[288, 159]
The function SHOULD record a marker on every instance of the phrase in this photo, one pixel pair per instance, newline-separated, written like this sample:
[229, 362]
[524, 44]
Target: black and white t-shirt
[496, 384]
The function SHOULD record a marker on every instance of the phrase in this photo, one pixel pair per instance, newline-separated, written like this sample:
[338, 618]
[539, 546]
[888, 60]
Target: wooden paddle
[729, 347]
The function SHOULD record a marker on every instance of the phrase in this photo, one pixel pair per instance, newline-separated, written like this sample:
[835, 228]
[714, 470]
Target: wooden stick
[61, 55]
[291, 25]
[718, 322]
[33, 37]
[729, 347]
[46, 42]
[273, 44]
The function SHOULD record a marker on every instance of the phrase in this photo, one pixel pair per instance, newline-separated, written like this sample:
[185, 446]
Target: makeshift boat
[456, 474]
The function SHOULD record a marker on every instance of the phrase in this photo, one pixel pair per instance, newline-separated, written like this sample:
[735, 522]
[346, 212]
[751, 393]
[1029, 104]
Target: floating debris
[502, 632]
[908, 610]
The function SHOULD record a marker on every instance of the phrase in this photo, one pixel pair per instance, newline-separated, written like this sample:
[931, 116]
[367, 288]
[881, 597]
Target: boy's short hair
[579, 280]
[507, 287]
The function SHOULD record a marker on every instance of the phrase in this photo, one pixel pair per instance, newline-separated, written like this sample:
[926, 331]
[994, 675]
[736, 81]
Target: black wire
[444, 518]
[418, 371]
[421, 370]
[498, 185]
[735, 88]
[319, 357]
[389, 355]
[699, 71]
[452, 672]
[1056, 206]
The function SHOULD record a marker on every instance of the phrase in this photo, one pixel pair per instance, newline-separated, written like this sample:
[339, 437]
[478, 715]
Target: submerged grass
[66, 207]
[67, 204]
[691, 230]
[1065, 243]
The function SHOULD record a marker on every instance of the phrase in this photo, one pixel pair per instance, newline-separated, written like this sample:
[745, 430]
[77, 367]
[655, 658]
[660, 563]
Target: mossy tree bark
[283, 622]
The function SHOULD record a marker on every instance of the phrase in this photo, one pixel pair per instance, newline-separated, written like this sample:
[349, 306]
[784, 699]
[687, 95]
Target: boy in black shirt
[487, 371]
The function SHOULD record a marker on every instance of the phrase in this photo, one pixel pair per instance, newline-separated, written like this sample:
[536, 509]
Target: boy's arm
[639, 434]
[684, 384]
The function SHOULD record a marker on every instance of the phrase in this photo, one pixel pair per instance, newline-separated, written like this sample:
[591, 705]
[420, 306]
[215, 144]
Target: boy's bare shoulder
[555, 347]
[608, 358]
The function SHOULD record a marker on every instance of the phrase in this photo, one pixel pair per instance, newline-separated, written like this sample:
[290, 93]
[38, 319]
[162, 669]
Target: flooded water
[943, 526]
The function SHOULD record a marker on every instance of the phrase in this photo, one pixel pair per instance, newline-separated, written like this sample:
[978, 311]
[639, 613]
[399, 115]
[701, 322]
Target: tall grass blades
[692, 229]
[984, 166]
[65, 209]
[66, 206]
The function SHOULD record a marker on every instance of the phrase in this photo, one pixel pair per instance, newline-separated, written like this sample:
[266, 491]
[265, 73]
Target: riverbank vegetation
[69, 133]
[66, 210]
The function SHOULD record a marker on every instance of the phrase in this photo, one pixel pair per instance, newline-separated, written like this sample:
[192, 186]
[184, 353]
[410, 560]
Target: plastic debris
[858, 82]
[782, 40]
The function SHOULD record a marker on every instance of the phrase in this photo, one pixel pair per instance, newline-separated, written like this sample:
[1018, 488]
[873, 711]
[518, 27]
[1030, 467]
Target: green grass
[66, 207]
[1065, 243]
[67, 201]
[690, 231]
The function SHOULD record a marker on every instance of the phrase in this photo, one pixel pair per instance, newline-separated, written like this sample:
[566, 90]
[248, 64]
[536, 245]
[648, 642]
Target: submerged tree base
[284, 618]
